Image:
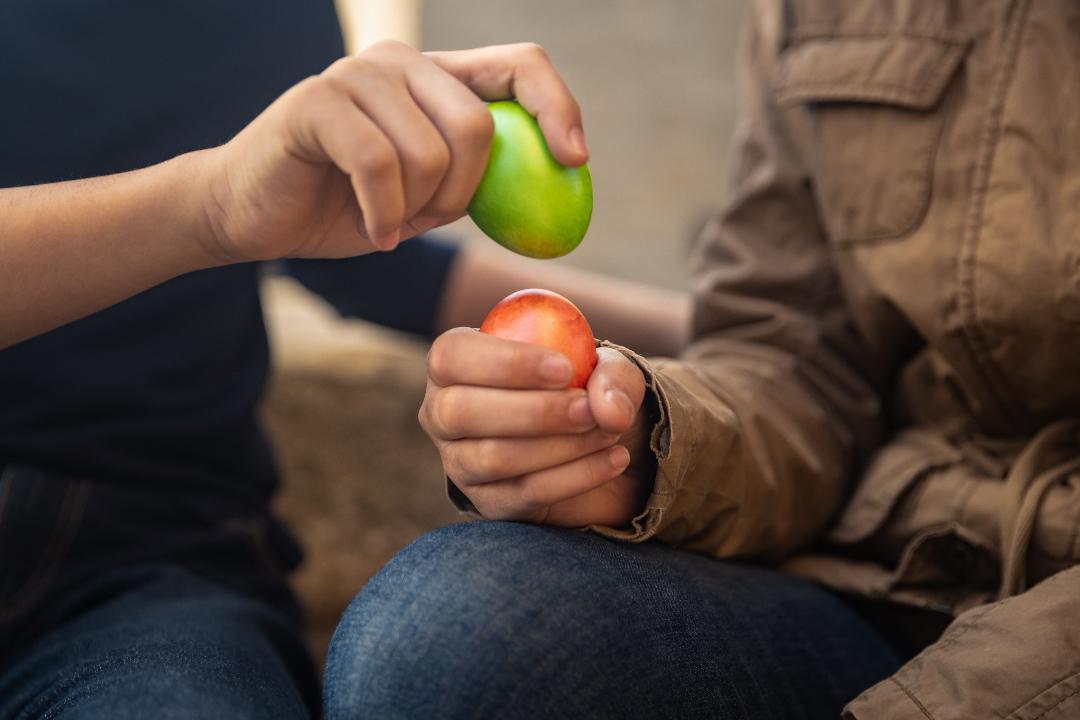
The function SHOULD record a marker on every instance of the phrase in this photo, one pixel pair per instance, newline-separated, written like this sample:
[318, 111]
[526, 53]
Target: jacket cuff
[459, 501]
[668, 471]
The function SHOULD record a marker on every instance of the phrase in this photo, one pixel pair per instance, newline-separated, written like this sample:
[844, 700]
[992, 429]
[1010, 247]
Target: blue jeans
[161, 642]
[473, 621]
[126, 600]
[500, 620]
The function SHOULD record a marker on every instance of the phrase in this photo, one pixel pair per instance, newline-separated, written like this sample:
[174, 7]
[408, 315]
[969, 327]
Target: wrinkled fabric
[884, 386]
[518, 622]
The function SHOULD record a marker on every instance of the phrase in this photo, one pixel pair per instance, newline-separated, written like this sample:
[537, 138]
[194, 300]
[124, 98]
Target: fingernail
[389, 241]
[619, 457]
[619, 398]
[580, 413]
[556, 369]
[577, 141]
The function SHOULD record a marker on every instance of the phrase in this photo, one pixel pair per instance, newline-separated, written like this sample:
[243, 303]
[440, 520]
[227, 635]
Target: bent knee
[476, 601]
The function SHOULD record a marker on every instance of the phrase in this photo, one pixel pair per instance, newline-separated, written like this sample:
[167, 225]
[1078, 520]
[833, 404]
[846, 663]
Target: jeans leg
[503, 620]
[163, 644]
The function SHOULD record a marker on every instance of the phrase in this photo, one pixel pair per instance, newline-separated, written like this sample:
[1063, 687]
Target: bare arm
[72, 248]
[378, 148]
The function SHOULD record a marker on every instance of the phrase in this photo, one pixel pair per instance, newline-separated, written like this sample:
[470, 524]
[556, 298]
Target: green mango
[527, 202]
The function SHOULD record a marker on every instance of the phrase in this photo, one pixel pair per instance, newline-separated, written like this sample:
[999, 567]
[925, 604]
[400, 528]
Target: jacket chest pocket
[874, 118]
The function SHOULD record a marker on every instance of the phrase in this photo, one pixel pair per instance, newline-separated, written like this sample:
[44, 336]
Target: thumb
[616, 389]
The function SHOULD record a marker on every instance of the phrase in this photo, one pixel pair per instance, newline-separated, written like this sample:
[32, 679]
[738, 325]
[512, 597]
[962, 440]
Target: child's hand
[378, 148]
[521, 445]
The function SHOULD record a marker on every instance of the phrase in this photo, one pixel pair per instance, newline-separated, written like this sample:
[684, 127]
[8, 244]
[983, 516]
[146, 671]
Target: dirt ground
[359, 485]
[359, 478]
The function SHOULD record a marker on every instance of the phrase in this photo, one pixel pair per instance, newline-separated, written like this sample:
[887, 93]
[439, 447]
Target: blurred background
[655, 84]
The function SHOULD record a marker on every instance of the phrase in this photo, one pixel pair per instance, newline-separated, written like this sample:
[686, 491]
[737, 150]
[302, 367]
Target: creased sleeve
[763, 420]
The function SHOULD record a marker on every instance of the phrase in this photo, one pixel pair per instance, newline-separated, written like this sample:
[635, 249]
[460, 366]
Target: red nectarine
[546, 318]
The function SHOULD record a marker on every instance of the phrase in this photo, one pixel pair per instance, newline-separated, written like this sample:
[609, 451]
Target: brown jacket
[885, 384]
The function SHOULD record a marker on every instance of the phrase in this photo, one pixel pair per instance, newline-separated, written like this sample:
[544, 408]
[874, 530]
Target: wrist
[204, 188]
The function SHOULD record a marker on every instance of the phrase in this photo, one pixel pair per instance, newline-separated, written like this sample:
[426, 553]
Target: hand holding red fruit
[522, 444]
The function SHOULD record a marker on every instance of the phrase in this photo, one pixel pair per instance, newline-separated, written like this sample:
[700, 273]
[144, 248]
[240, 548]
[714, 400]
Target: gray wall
[655, 83]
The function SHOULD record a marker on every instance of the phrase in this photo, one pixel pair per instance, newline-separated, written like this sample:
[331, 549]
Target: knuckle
[422, 417]
[529, 496]
[533, 51]
[314, 91]
[445, 412]
[435, 412]
[378, 159]
[438, 359]
[389, 47]
[360, 74]
[488, 460]
[450, 454]
[429, 160]
[473, 125]
[340, 68]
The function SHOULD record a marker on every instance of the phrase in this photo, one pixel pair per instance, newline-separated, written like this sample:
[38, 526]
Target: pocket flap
[895, 468]
[901, 70]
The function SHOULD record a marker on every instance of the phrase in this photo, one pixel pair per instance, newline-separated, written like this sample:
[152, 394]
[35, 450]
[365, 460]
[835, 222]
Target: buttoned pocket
[875, 117]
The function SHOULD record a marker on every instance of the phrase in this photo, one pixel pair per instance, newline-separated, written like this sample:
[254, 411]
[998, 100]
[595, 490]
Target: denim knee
[451, 623]
[484, 620]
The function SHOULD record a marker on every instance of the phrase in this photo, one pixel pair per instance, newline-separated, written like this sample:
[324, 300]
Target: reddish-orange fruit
[545, 318]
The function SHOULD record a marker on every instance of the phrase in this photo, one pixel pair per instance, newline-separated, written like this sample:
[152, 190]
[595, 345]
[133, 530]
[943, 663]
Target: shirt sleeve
[400, 289]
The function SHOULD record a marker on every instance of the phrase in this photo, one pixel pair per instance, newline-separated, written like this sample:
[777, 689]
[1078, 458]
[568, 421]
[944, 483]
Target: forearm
[649, 319]
[72, 248]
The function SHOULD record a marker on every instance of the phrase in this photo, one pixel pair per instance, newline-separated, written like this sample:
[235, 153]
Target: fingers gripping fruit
[527, 202]
[546, 318]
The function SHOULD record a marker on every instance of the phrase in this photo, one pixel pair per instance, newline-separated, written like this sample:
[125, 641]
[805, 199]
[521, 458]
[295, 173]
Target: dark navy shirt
[162, 388]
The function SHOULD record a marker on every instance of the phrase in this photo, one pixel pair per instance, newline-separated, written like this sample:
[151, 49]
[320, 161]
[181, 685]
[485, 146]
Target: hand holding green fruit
[527, 201]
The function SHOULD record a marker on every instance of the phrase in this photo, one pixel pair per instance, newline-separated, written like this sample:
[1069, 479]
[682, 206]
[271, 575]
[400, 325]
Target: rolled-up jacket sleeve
[764, 418]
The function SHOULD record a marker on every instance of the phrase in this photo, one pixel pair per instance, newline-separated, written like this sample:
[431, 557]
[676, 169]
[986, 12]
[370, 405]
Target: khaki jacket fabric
[884, 390]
